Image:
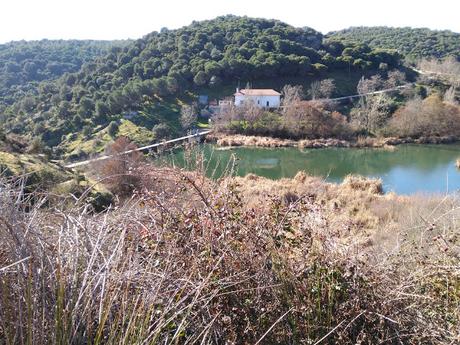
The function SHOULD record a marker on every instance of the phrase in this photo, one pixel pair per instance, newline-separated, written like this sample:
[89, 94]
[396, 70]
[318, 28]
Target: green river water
[408, 169]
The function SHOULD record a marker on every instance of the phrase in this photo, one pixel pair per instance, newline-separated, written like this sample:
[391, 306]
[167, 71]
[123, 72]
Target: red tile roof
[257, 92]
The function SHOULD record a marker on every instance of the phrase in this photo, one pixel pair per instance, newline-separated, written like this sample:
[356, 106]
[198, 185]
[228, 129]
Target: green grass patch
[77, 146]
[139, 135]
[162, 110]
[36, 167]
[9, 163]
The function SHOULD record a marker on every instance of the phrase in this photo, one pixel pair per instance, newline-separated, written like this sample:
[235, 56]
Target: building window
[268, 104]
[258, 101]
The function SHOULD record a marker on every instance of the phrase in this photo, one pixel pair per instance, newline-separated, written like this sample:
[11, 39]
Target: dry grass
[355, 183]
[388, 143]
[246, 260]
[350, 200]
[250, 140]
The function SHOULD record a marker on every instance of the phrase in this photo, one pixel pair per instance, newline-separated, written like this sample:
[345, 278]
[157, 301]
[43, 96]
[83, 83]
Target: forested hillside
[22, 63]
[168, 64]
[412, 43]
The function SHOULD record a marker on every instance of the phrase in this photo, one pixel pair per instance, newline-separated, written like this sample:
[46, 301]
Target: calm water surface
[406, 170]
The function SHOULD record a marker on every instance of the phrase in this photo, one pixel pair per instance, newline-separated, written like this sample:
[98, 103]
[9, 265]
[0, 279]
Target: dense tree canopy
[22, 63]
[205, 54]
[412, 43]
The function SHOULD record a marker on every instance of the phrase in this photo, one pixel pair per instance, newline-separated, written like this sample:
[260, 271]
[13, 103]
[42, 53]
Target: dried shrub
[373, 186]
[118, 171]
[428, 117]
[188, 260]
[296, 119]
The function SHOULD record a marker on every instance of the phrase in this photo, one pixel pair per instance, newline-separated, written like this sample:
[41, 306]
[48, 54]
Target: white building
[263, 98]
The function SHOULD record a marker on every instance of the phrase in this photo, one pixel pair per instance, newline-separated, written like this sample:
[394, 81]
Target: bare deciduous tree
[251, 112]
[322, 89]
[426, 118]
[395, 78]
[450, 96]
[371, 113]
[292, 95]
[188, 116]
[447, 69]
[231, 117]
[119, 171]
[449, 65]
[369, 85]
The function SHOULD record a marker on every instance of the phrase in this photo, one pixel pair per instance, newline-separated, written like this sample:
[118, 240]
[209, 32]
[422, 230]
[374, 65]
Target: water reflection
[406, 170]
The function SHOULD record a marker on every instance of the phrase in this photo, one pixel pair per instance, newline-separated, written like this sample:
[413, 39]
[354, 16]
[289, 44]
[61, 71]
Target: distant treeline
[412, 43]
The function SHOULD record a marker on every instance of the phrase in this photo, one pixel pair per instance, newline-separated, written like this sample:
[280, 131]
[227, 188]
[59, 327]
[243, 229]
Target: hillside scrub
[36, 173]
[163, 66]
[187, 260]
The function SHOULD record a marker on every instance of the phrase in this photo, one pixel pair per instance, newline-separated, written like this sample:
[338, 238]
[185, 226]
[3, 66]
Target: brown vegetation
[373, 115]
[296, 119]
[245, 260]
[349, 201]
[447, 69]
[381, 142]
[429, 117]
[119, 171]
[322, 89]
[312, 120]
[12, 143]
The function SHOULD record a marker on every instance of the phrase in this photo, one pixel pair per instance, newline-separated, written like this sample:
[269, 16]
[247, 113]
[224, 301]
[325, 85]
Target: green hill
[156, 74]
[412, 43]
[24, 64]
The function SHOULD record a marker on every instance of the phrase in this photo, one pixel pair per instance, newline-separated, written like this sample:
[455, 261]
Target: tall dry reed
[185, 261]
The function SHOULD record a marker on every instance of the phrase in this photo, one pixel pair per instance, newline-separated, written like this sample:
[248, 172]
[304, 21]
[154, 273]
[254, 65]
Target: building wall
[260, 101]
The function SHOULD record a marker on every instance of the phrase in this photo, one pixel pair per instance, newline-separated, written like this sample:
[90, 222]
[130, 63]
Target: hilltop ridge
[412, 43]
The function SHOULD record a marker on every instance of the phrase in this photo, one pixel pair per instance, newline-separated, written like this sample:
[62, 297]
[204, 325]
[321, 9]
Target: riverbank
[236, 140]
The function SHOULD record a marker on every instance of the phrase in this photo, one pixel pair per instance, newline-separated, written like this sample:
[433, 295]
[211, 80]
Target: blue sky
[119, 19]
